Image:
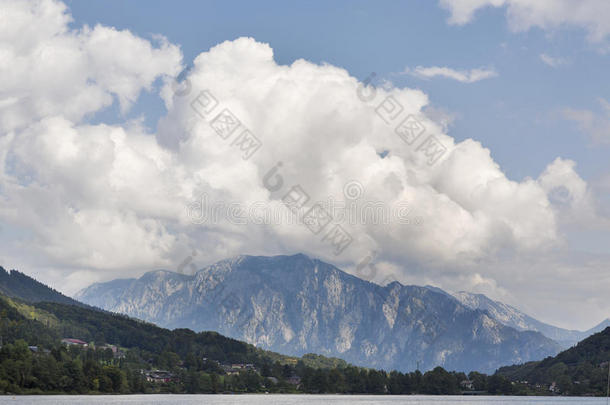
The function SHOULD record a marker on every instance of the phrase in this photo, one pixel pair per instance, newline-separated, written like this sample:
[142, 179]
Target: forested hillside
[580, 370]
[18, 285]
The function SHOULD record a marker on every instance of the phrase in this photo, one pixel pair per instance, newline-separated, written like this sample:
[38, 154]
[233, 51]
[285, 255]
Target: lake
[293, 400]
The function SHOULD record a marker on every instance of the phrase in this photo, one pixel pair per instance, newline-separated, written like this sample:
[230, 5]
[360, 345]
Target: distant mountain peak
[438, 290]
[513, 317]
[161, 274]
[296, 305]
[394, 284]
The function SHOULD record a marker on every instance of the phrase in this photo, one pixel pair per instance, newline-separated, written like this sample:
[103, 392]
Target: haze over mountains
[297, 305]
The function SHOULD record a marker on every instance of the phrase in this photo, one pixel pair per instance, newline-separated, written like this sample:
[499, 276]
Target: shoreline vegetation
[61, 348]
[91, 370]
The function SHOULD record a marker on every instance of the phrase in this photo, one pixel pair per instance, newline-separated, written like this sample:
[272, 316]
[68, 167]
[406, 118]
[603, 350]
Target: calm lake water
[293, 400]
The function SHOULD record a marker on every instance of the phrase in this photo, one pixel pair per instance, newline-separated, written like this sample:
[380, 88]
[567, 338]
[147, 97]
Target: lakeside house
[158, 376]
[234, 369]
[467, 385]
[241, 366]
[74, 342]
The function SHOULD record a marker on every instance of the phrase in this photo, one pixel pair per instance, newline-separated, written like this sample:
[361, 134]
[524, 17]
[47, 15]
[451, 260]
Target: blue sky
[516, 114]
[88, 194]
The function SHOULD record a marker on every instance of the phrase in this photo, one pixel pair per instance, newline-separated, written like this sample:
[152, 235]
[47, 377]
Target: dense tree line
[77, 370]
[355, 380]
[62, 370]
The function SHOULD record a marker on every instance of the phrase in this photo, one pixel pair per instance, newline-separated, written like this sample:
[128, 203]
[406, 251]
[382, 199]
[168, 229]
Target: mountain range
[297, 305]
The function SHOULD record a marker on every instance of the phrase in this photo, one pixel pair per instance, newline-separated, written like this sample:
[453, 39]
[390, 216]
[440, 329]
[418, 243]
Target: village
[164, 376]
[157, 376]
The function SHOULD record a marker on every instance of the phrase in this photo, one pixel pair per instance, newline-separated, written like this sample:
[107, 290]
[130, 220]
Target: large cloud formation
[91, 202]
[311, 119]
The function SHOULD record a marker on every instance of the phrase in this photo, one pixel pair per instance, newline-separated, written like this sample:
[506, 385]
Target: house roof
[76, 341]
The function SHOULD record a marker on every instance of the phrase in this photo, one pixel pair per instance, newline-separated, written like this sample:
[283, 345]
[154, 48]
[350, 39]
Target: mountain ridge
[16, 284]
[513, 317]
[296, 304]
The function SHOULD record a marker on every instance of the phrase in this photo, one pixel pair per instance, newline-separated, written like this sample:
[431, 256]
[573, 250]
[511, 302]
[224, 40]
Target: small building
[553, 387]
[229, 370]
[233, 369]
[467, 385]
[74, 342]
[158, 376]
[241, 366]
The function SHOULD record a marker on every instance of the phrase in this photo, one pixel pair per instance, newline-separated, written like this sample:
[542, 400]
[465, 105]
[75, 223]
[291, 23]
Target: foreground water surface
[293, 400]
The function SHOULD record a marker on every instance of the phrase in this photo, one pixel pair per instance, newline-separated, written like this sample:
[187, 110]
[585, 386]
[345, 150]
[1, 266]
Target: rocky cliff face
[297, 305]
[515, 318]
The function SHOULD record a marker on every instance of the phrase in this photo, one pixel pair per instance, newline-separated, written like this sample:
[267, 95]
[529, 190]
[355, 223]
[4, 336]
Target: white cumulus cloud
[593, 16]
[48, 68]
